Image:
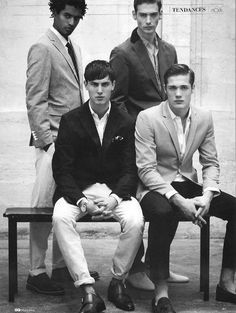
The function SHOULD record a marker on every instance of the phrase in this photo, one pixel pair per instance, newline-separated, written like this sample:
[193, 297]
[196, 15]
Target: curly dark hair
[56, 6]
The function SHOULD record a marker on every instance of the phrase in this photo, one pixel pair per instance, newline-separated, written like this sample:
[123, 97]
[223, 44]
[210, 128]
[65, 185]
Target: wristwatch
[83, 205]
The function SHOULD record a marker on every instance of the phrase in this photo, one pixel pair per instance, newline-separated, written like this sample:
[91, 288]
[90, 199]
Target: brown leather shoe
[62, 274]
[92, 303]
[118, 296]
[43, 284]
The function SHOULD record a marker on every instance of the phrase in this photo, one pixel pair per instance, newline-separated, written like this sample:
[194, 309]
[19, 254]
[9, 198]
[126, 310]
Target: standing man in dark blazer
[141, 61]
[95, 173]
[54, 86]
[139, 64]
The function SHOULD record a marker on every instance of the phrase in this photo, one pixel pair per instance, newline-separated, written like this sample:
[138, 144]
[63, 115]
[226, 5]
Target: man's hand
[107, 205]
[188, 209]
[203, 203]
[93, 209]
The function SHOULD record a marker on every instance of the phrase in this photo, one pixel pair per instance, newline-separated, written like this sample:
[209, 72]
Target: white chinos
[127, 213]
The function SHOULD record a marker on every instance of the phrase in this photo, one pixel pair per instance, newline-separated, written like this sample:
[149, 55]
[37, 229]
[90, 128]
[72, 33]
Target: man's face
[147, 17]
[100, 92]
[66, 20]
[179, 91]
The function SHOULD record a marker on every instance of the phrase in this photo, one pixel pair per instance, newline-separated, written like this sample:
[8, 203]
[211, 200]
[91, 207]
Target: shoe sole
[44, 292]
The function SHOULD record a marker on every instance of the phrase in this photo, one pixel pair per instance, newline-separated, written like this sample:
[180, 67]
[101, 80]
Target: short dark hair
[56, 6]
[179, 69]
[138, 2]
[98, 69]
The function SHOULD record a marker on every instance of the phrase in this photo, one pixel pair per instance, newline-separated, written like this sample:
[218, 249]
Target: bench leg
[12, 258]
[204, 259]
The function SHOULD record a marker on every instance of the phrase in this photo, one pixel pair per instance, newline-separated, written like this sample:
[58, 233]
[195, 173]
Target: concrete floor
[186, 298]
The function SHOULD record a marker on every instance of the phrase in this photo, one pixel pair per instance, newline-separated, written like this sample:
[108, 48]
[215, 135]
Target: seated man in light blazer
[95, 173]
[166, 138]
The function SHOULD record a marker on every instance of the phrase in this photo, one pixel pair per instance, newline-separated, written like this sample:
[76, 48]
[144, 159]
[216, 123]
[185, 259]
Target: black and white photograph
[118, 156]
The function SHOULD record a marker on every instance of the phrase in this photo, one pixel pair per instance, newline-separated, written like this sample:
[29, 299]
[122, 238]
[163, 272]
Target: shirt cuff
[216, 191]
[169, 194]
[118, 199]
[78, 202]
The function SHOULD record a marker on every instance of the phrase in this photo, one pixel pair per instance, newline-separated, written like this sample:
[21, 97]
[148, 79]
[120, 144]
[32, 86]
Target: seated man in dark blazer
[95, 172]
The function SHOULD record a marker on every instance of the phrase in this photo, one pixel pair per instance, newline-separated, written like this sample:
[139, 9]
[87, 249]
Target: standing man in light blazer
[53, 87]
[166, 138]
[141, 61]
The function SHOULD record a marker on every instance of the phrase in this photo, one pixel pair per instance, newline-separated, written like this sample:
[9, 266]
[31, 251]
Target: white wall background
[204, 41]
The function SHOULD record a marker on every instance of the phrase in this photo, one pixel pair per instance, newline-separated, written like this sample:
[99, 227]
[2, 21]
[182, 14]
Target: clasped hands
[195, 208]
[101, 208]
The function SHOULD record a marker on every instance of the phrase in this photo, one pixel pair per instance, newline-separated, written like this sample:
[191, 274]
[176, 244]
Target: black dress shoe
[43, 284]
[62, 274]
[92, 303]
[224, 295]
[118, 296]
[163, 306]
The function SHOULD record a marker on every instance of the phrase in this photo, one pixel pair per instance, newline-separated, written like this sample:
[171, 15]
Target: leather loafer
[163, 306]
[92, 303]
[140, 281]
[118, 296]
[62, 274]
[225, 295]
[43, 284]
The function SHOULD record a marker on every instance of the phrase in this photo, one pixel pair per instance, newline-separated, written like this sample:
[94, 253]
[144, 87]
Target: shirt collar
[146, 42]
[59, 36]
[173, 116]
[95, 114]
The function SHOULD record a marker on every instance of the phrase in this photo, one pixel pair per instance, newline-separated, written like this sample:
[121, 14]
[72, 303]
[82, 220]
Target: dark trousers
[163, 221]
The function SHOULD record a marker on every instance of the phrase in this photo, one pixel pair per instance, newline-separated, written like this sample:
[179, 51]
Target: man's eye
[154, 15]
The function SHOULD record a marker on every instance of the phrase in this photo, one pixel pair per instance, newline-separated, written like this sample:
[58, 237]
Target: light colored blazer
[52, 87]
[158, 153]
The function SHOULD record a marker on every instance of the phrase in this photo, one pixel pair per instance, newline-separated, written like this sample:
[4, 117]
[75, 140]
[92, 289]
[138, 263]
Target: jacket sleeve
[208, 158]
[120, 66]
[146, 158]
[37, 90]
[63, 164]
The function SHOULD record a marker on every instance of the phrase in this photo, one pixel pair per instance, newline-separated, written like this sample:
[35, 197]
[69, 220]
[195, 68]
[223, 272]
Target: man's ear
[134, 15]
[85, 84]
[193, 87]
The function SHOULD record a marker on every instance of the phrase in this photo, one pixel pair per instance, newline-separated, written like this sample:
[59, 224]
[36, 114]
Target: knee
[134, 224]
[59, 221]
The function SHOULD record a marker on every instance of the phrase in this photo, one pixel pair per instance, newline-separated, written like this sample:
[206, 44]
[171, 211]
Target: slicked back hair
[138, 2]
[179, 69]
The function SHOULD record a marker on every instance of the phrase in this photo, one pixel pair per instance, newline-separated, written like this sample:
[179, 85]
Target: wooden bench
[23, 214]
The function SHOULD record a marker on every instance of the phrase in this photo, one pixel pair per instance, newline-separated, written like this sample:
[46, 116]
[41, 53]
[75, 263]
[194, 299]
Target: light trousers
[127, 213]
[42, 194]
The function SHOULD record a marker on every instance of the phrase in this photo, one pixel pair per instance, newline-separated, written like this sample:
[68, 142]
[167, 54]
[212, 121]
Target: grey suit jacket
[136, 86]
[52, 87]
[158, 153]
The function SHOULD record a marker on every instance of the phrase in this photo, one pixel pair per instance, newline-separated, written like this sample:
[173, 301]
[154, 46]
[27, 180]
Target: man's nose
[72, 21]
[148, 20]
[99, 89]
[178, 93]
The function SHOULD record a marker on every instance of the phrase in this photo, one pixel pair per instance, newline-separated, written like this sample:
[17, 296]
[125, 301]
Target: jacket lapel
[59, 46]
[171, 128]
[192, 131]
[89, 125]
[111, 127]
[142, 54]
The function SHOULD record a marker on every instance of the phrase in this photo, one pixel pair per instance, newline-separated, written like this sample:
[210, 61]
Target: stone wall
[204, 38]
